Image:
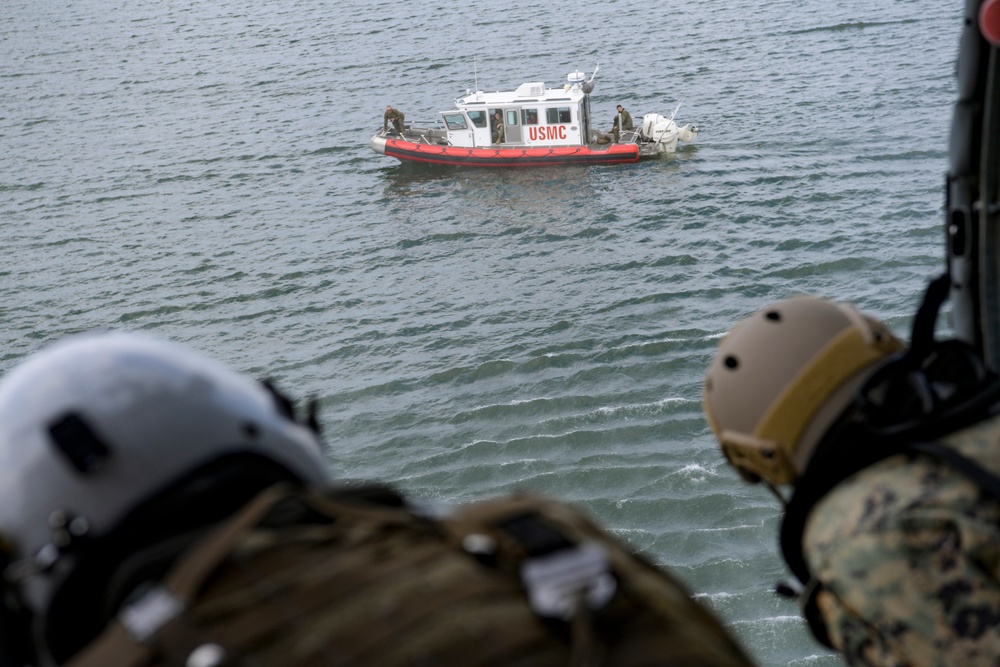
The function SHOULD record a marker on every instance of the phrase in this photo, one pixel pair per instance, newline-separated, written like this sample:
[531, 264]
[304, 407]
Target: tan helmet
[783, 375]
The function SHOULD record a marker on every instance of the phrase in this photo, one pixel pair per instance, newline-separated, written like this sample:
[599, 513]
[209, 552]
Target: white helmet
[96, 425]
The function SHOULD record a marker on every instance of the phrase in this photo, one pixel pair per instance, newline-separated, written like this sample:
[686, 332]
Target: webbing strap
[159, 617]
[114, 647]
[983, 478]
[324, 599]
[121, 647]
[185, 580]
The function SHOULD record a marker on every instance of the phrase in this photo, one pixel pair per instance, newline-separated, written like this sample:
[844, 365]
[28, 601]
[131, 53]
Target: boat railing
[629, 137]
[433, 136]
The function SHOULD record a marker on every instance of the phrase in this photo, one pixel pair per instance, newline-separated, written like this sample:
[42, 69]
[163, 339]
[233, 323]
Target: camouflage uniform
[394, 115]
[498, 130]
[907, 553]
[627, 124]
[308, 580]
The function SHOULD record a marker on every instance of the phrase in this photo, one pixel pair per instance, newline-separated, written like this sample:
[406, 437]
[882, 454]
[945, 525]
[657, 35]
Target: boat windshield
[455, 121]
[478, 118]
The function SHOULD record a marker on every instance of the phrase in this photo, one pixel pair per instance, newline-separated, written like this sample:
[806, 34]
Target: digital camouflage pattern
[908, 555]
[303, 580]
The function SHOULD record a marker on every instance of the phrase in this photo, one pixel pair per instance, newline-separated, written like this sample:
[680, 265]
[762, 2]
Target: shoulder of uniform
[873, 500]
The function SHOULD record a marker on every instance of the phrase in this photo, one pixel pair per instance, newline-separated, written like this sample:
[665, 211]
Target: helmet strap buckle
[757, 456]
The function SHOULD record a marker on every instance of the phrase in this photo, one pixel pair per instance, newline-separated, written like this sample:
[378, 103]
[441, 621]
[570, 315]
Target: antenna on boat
[675, 111]
[589, 84]
[597, 67]
[475, 70]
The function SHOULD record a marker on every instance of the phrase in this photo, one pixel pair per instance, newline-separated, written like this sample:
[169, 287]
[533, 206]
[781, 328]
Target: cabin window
[557, 115]
[529, 116]
[512, 117]
[455, 121]
[478, 118]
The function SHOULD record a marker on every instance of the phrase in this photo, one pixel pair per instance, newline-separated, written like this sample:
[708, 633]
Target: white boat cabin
[533, 116]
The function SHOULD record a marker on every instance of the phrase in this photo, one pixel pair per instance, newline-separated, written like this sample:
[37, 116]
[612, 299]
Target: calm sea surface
[201, 170]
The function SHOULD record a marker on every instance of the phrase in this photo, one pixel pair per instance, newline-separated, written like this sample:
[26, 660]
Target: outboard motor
[661, 134]
[658, 129]
[687, 133]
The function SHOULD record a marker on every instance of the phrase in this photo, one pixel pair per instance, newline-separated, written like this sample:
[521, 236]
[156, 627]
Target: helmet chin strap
[68, 533]
[16, 645]
[777, 493]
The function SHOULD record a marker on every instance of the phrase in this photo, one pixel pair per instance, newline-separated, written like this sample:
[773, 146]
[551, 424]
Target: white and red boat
[541, 126]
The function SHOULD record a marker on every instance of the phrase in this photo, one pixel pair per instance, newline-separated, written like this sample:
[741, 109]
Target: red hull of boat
[510, 157]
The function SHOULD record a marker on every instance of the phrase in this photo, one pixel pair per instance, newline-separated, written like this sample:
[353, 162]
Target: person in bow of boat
[396, 117]
[626, 124]
[498, 134]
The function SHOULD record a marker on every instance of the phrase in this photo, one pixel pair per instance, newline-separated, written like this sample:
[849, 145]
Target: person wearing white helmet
[890, 457]
[111, 443]
[159, 509]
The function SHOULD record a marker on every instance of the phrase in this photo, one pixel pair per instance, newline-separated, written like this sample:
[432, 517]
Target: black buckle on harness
[806, 597]
[558, 572]
[557, 581]
[810, 609]
[534, 534]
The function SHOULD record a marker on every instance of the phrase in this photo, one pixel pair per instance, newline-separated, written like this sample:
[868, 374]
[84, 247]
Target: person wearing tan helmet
[885, 459]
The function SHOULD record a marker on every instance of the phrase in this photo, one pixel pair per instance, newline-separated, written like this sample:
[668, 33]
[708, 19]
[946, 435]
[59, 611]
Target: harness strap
[459, 586]
[983, 478]
[178, 638]
[922, 333]
[185, 580]
[158, 623]
[123, 643]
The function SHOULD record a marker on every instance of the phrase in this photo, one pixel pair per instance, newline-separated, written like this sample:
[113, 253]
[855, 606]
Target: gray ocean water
[201, 170]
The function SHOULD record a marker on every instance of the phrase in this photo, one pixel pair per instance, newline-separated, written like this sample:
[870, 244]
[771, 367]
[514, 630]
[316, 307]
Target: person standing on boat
[394, 115]
[498, 133]
[626, 123]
